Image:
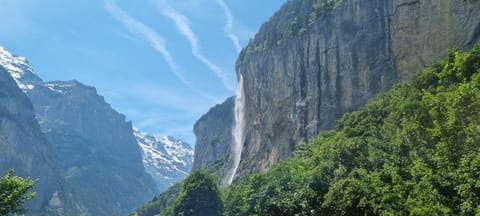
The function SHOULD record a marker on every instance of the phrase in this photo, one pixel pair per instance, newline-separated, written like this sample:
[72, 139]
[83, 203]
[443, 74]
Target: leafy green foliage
[414, 150]
[286, 193]
[199, 196]
[14, 193]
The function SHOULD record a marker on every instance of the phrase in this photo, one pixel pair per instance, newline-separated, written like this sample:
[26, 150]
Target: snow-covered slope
[20, 69]
[167, 159]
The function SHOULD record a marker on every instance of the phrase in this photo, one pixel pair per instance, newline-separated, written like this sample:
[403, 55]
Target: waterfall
[237, 132]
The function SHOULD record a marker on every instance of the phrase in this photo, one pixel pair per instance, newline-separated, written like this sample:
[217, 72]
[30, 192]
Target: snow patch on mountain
[17, 65]
[167, 159]
[26, 78]
[20, 69]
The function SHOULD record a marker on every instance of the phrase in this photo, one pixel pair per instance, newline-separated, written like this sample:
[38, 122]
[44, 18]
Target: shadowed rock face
[312, 62]
[23, 147]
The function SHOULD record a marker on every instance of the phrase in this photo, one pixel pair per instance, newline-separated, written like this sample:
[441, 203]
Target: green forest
[414, 150]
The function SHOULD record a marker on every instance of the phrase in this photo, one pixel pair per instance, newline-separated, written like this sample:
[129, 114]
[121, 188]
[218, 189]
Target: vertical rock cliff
[317, 59]
[213, 132]
[298, 83]
[23, 147]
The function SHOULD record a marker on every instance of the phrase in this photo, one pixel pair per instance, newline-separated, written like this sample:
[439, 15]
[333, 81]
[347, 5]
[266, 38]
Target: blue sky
[162, 63]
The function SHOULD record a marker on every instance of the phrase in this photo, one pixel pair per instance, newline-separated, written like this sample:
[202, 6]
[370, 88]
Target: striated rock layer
[317, 59]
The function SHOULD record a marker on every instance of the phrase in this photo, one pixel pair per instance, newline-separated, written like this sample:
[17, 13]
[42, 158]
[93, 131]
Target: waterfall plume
[237, 132]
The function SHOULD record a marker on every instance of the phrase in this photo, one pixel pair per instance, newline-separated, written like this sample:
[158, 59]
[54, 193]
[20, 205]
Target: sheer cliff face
[213, 134]
[422, 31]
[310, 63]
[98, 153]
[23, 147]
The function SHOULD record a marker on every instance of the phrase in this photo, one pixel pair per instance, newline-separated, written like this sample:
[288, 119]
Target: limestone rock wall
[300, 77]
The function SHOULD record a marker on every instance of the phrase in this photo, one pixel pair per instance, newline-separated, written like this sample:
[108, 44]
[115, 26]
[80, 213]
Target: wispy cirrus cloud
[229, 26]
[140, 29]
[183, 26]
[156, 41]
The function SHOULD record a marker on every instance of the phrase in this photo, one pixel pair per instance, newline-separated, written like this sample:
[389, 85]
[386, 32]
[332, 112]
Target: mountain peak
[19, 68]
[166, 158]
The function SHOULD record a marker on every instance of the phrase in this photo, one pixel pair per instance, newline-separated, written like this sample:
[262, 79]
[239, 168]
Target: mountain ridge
[158, 152]
[90, 140]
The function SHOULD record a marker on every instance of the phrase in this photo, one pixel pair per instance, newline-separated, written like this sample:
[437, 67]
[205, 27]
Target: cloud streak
[183, 26]
[229, 26]
[137, 27]
[156, 41]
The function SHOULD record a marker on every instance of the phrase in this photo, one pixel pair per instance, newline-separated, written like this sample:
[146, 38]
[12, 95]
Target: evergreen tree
[14, 193]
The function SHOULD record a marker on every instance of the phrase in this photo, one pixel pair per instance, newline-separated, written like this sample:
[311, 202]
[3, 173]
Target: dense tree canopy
[14, 193]
[199, 196]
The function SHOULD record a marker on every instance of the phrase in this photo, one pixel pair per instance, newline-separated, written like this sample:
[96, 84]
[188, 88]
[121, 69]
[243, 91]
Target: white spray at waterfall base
[237, 132]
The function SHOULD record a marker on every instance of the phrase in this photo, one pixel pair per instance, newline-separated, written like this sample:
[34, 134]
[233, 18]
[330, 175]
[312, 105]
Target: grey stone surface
[213, 132]
[304, 69]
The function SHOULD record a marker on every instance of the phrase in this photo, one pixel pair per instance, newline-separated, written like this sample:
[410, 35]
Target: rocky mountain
[213, 134]
[19, 68]
[166, 159]
[317, 59]
[98, 154]
[23, 147]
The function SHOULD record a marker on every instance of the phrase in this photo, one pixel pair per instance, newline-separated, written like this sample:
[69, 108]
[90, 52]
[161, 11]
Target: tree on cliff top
[14, 193]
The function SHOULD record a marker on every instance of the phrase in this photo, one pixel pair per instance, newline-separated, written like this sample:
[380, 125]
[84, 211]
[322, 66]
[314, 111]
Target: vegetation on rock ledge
[289, 22]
